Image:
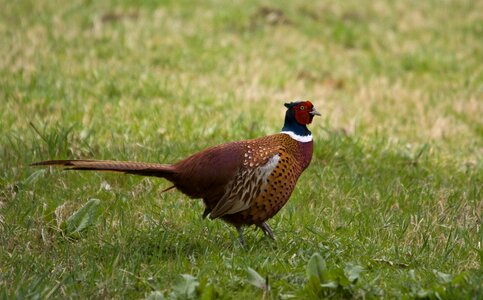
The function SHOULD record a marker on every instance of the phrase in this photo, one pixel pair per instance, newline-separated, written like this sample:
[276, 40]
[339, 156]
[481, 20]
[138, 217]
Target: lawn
[390, 206]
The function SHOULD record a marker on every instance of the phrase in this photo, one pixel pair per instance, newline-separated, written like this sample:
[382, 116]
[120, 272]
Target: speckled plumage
[263, 184]
[243, 183]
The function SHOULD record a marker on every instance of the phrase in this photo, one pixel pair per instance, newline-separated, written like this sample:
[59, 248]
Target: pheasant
[243, 183]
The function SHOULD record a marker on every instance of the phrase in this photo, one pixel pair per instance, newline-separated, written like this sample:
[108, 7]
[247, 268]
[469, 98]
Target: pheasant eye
[302, 107]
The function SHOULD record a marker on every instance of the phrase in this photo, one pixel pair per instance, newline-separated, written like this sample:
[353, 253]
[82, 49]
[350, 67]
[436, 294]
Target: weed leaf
[34, 177]
[82, 218]
[316, 270]
[256, 279]
[443, 277]
[353, 272]
[155, 295]
[330, 285]
[185, 288]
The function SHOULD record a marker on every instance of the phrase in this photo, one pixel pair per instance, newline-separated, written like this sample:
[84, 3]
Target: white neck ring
[299, 138]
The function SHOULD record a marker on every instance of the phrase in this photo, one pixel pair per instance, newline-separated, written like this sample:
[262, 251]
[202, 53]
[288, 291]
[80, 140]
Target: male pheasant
[243, 183]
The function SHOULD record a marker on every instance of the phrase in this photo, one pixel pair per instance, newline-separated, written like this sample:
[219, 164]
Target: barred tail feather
[136, 168]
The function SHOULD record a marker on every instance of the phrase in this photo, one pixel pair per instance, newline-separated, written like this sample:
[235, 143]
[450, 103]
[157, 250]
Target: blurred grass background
[396, 175]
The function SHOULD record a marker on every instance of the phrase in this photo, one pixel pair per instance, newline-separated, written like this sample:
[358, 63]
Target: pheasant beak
[313, 112]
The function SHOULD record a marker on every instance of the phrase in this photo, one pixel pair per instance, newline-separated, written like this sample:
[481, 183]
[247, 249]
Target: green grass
[395, 182]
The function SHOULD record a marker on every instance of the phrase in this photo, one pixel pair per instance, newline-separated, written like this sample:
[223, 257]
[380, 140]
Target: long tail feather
[127, 167]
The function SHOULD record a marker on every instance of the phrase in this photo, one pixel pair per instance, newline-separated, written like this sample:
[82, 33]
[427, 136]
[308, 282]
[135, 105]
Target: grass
[391, 202]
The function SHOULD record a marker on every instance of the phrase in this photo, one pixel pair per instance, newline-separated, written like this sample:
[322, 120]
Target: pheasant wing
[247, 184]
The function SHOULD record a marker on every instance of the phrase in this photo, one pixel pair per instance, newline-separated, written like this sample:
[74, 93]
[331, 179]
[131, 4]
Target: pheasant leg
[240, 236]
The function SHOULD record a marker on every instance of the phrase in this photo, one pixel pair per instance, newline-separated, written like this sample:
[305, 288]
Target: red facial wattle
[302, 112]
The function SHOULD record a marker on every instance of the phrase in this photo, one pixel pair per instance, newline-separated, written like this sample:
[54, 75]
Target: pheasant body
[243, 183]
[271, 167]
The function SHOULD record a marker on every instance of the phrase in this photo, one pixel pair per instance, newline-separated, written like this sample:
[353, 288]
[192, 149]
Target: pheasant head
[298, 115]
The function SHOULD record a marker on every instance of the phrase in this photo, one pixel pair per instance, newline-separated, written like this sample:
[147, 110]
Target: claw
[266, 230]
